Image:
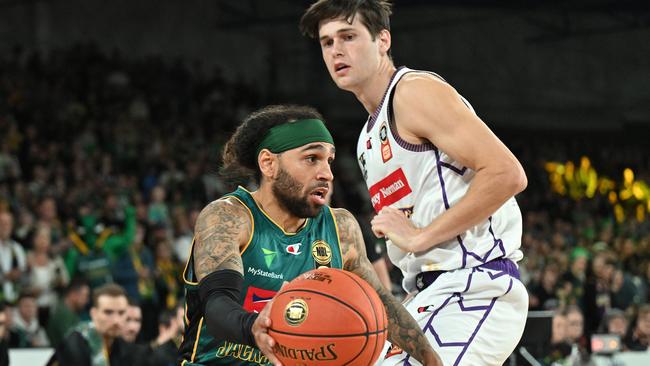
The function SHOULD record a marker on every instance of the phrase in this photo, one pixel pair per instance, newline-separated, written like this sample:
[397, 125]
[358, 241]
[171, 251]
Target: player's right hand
[260, 331]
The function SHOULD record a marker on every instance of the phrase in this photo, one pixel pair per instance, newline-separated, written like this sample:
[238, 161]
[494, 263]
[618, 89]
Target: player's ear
[268, 163]
[384, 40]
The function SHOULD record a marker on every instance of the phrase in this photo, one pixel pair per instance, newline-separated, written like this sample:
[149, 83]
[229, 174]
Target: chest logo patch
[389, 190]
[294, 249]
[386, 151]
[269, 256]
[321, 252]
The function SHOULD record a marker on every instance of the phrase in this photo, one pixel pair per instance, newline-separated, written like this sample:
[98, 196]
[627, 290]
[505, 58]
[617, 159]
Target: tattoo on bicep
[403, 330]
[351, 239]
[218, 232]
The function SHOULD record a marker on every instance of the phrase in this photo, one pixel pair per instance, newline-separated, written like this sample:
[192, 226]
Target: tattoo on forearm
[403, 330]
[220, 227]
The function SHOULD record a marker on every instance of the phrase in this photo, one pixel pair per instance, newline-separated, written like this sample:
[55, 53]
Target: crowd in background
[106, 161]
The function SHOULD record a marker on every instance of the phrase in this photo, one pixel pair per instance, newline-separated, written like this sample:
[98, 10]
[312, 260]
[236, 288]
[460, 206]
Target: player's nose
[325, 173]
[337, 48]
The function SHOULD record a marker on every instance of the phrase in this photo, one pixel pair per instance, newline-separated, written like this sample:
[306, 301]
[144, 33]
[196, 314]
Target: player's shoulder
[418, 83]
[345, 220]
[341, 214]
[223, 207]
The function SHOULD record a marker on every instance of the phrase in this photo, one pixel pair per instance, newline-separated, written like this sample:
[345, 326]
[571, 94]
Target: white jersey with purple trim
[424, 182]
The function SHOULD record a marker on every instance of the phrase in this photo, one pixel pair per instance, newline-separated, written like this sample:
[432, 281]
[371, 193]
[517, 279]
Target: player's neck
[268, 203]
[372, 91]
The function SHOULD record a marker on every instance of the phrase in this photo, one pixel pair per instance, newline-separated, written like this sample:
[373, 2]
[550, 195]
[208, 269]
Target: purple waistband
[425, 279]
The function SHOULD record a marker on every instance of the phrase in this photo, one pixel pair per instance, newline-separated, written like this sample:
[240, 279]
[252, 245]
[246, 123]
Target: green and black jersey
[270, 258]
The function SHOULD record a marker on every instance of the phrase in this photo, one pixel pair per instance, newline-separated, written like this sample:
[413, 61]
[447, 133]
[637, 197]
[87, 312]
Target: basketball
[328, 317]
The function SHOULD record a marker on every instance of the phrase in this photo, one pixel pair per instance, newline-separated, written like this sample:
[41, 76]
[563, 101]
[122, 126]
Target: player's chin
[342, 83]
[313, 209]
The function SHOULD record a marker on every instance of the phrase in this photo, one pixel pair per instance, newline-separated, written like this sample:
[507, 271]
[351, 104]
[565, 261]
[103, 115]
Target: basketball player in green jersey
[247, 244]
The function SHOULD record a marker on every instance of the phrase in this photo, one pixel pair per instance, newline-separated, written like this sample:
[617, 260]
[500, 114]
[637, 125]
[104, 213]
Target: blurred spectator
[575, 324]
[166, 344]
[559, 328]
[4, 334]
[12, 259]
[47, 273]
[48, 217]
[9, 165]
[25, 323]
[67, 311]
[603, 267]
[559, 347]
[99, 241]
[158, 213]
[623, 291]
[543, 295]
[168, 276]
[639, 338]
[24, 226]
[576, 276]
[133, 322]
[575, 332]
[183, 235]
[615, 323]
[98, 342]
[133, 269]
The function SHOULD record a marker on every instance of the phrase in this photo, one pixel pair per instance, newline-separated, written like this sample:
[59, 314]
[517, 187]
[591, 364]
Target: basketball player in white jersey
[442, 185]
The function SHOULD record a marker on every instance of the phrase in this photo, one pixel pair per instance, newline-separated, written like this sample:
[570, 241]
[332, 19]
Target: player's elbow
[517, 180]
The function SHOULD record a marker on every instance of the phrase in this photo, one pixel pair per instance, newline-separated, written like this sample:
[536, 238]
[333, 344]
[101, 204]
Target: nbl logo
[322, 253]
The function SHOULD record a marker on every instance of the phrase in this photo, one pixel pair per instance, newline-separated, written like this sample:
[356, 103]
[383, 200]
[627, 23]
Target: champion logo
[294, 249]
[389, 190]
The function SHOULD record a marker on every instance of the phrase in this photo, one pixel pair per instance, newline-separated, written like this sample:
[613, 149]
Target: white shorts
[473, 316]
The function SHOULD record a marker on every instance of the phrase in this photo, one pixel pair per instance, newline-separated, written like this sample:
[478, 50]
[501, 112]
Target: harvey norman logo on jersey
[389, 190]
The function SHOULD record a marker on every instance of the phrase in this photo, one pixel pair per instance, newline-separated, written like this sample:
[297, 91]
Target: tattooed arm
[222, 228]
[403, 330]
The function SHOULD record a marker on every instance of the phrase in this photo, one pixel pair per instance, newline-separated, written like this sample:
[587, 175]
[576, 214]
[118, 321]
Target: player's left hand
[393, 225]
[262, 338]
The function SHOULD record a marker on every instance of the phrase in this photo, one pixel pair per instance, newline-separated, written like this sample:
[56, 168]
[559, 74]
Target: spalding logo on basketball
[296, 312]
[328, 317]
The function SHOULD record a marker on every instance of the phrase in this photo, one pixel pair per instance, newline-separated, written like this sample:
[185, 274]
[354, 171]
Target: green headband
[290, 135]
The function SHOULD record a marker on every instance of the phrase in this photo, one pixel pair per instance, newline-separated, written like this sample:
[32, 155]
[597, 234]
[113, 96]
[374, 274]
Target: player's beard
[289, 194]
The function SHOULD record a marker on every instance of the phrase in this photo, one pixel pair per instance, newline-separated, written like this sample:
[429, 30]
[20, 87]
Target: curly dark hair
[375, 14]
[239, 155]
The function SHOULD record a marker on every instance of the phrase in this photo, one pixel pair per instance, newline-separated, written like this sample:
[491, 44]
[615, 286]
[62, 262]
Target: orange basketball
[328, 317]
